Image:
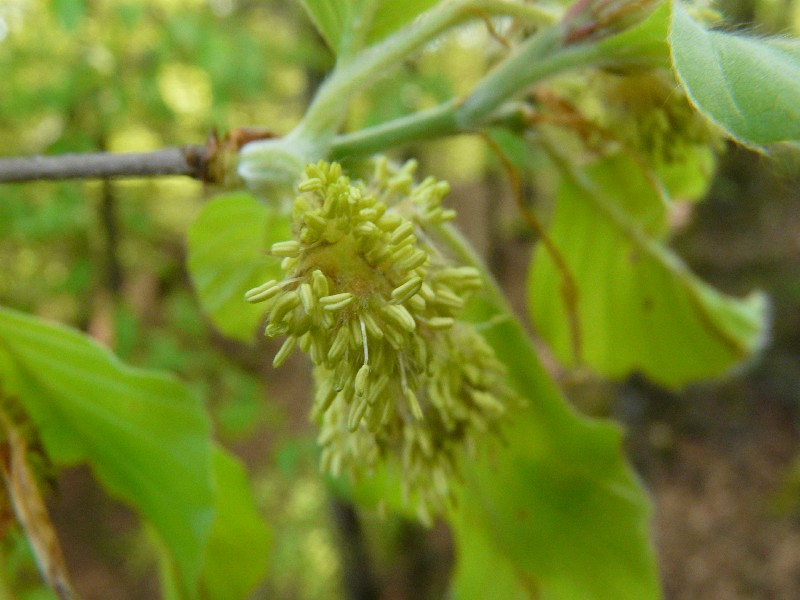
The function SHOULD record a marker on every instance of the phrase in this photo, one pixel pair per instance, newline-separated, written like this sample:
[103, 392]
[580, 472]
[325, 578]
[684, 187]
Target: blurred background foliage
[109, 258]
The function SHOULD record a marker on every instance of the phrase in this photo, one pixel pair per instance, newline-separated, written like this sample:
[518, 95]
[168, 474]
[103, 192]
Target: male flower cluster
[373, 302]
[648, 112]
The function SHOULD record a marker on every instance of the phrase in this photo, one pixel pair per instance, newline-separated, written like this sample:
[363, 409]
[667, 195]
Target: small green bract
[373, 302]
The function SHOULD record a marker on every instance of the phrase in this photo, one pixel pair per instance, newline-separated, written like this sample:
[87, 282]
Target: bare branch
[191, 160]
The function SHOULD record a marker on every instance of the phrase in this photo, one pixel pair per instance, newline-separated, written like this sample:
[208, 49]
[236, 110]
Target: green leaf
[688, 175]
[750, 87]
[238, 548]
[228, 245]
[336, 19]
[638, 307]
[557, 506]
[347, 25]
[391, 15]
[482, 571]
[237, 553]
[644, 44]
[145, 436]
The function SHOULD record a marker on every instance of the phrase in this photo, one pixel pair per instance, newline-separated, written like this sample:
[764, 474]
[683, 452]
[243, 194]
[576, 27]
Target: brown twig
[212, 163]
[23, 492]
[186, 160]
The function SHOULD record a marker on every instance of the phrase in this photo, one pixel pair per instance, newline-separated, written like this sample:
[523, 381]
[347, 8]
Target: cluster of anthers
[373, 302]
[648, 112]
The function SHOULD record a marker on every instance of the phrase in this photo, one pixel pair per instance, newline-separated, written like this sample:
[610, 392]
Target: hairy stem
[537, 58]
[529, 14]
[541, 56]
[439, 121]
[326, 112]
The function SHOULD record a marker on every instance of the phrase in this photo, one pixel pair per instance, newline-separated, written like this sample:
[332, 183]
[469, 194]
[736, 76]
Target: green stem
[531, 14]
[439, 121]
[544, 54]
[540, 57]
[327, 110]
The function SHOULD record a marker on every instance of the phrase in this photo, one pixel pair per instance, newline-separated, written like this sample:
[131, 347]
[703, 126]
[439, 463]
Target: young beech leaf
[330, 18]
[557, 505]
[644, 44]
[391, 15]
[482, 571]
[146, 437]
[228, 245]
[238, 549]
[638, 307]
[748, 86]
[347, 25]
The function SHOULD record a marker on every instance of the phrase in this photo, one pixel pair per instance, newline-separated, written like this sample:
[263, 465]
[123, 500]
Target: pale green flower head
[375, 305]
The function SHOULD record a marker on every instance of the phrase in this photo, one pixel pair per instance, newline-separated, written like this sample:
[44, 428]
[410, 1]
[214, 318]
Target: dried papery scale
[376, 306]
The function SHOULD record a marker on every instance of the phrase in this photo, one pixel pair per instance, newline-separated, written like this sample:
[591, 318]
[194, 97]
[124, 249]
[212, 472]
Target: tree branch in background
[212, 163]
[186, 160]
[359, 580]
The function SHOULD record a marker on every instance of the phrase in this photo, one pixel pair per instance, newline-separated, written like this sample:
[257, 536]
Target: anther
[402, 232]
[413, 403]
[403, 292]
[362, 380]
[319, 282]
[399, 315]
[357, 411]
[263, 292]
[283, 305]
[439, 323]
[364, 339]
[339, 345]
[287, 249]
[414, 260]
[285, 351]
[314, 222]
[307, 297]
[336, 301]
